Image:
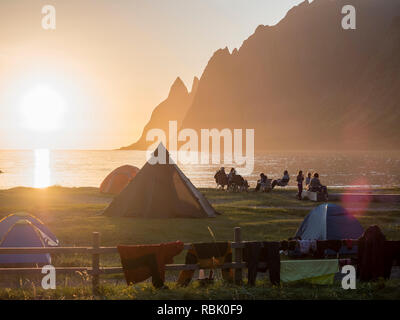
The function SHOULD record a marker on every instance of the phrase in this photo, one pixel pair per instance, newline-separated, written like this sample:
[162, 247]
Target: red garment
[349, 244]
[137, 269]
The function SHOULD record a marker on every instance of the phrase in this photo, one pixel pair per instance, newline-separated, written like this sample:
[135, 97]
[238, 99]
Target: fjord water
[87, 168]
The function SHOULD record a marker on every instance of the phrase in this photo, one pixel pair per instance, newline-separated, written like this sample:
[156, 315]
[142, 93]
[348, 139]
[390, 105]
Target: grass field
[74, 213]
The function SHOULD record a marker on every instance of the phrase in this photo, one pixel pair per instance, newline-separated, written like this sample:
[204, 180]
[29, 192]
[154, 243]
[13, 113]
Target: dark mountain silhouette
[172, 109]
[306, 83]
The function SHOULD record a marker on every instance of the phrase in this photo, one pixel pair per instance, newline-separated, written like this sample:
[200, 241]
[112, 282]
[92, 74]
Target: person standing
[300, 179]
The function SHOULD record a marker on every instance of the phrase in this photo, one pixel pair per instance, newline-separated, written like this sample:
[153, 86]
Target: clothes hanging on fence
[371, 255]
[292, 245]
[334, 245]
[349, 244]
[141, 262]
[392, 254]
[345, 262]
[207, 256]
[262, 252]
[284, 245]
[308, 246]
[324, 245]
[313, 271]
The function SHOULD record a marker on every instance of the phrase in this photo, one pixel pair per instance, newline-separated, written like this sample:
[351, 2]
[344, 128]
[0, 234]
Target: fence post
[238, 255]
[95, 263]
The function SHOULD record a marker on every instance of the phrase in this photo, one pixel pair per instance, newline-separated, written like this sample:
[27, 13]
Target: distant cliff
[306, 83]
[171, 109]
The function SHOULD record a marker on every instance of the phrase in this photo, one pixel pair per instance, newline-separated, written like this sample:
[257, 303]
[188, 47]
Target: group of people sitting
[232, 180]
[236, 182]
[264, 184]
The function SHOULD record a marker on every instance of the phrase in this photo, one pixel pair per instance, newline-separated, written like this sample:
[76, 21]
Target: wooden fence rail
[95, 270]
[96, 250]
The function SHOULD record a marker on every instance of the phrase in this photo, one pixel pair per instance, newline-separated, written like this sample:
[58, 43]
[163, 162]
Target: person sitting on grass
[221, 178]
[316, 186]
[231, 175]
[281, 182]
[262, 183]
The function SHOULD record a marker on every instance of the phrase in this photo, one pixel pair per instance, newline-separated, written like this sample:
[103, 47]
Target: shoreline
[353, 189]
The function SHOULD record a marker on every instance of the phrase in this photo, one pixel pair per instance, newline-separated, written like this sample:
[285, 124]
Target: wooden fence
[96, 250]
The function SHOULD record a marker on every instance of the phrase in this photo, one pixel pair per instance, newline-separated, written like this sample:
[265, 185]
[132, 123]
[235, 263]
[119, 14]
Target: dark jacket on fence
[207, 256]
[372, 263]
[141, 262]
[264, 252]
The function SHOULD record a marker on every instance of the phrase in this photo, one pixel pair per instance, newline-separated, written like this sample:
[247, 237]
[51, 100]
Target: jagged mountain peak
[303, 83]
[178, 88]
[195, 85]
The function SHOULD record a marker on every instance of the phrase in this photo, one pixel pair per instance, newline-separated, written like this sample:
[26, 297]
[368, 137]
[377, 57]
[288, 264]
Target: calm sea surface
[42, 167]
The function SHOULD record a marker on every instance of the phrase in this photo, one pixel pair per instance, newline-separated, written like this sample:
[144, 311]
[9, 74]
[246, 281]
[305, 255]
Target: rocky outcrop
[173, 108]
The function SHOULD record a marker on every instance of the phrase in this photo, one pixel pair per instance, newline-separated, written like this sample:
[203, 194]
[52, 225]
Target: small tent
[6, 223]
[23, 234]
[329, 222]
[160, 190]
[118, 179]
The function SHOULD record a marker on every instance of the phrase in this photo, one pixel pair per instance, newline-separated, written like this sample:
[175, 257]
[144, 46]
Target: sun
[42, 109]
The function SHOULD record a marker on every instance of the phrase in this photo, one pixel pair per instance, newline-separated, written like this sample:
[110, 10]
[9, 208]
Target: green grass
[74, 213]
[262, 291]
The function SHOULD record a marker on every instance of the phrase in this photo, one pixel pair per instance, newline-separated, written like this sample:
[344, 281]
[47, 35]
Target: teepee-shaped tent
[160, 190]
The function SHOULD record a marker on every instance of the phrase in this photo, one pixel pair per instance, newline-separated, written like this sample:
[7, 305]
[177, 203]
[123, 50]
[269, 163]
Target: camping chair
[233, 187]
[282, 184]
[266, 187]
[244, 187]
[314, 196]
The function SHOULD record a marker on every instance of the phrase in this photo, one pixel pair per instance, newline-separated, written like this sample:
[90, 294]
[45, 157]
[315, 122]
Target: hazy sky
[109, 63]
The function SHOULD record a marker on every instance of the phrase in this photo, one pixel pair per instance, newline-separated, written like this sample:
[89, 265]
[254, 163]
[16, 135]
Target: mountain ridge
[305, 83]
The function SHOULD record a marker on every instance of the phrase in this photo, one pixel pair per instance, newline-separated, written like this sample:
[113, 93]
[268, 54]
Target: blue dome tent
[23, 234]
[6, 223]
[330, 222]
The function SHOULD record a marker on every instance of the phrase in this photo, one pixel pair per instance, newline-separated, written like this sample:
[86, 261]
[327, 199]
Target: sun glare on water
[42, 109]
[42, 168]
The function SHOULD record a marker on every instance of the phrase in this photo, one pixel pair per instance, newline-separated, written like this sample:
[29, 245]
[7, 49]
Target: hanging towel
[314, 271]
[262, 252]
[141, 262]
[207, 256]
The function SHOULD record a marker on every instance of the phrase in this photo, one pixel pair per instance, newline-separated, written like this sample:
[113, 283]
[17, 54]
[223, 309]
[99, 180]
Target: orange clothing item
[141, 262]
